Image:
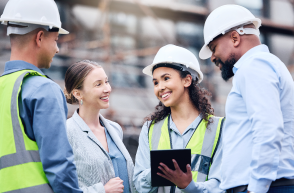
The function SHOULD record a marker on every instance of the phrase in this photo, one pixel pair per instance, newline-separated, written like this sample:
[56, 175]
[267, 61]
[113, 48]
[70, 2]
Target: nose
[161, 86]
[107, 88]
[57, 50]
[212, 58]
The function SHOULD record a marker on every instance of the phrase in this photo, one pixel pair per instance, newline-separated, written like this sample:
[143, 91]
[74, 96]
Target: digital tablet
[182, 156]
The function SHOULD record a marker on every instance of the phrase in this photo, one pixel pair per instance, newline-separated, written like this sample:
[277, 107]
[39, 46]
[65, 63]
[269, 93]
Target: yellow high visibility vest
[21, 170]
[203, 145]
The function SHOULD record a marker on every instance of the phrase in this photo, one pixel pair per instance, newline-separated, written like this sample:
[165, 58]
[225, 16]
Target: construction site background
[124, 36]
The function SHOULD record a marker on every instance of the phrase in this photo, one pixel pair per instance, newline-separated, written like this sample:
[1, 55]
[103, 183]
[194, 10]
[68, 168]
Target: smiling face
[169, 87]
[223, 55]
[96, 90]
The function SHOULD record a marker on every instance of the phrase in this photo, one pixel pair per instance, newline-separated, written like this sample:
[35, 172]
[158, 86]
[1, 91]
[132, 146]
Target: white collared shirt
[258, 134]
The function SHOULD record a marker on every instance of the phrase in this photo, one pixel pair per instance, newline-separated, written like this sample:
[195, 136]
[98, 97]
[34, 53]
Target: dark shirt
[43, 111]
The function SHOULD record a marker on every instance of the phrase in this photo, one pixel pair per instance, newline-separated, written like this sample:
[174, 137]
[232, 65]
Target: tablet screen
[182, 156]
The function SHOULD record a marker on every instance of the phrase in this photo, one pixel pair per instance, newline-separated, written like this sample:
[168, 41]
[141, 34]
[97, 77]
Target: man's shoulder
[38, 87]
[261, 61]
[39, 83]
[266, 57]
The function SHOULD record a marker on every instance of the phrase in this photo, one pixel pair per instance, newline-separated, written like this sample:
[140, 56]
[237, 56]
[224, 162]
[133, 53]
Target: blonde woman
[103, 163]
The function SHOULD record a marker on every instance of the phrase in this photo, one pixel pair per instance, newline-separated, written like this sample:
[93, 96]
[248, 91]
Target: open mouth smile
[165, 95]
[105, 99]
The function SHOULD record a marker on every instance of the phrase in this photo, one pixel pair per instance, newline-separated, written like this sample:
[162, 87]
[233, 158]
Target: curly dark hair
[199, 97]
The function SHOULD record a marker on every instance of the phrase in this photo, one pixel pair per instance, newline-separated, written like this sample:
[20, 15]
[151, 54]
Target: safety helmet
[178, 58]
[225, 18]
[39, 12]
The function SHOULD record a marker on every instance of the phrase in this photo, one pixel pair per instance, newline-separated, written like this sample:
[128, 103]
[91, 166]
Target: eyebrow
[210, 46]
[97, 81]
[162, 76]
[106, 78]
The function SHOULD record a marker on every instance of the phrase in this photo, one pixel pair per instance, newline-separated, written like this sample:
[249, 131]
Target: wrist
[184, 185]
[106, 189]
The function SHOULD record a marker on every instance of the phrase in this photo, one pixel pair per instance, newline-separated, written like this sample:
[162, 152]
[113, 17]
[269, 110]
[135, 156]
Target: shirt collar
[17, 65]
[193, 125]
[83, 126]
[240, 62]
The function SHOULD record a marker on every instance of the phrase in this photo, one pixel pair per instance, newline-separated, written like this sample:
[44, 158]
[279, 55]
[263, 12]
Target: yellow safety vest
[203, 144]
[21, 170]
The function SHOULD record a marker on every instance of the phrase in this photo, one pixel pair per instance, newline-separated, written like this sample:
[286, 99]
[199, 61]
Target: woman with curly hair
[183, 119]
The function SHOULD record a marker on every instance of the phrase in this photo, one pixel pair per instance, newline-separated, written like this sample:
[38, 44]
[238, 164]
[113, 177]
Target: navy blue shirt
[43, 111]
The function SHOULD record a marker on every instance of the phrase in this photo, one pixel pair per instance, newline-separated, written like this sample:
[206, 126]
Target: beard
[227, 67]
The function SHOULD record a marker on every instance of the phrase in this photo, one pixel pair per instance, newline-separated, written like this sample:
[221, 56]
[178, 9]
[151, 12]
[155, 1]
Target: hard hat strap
[241, 30]
[169, 65]
[253, 31]
[179, 67]
[22, 28]
[54, 29]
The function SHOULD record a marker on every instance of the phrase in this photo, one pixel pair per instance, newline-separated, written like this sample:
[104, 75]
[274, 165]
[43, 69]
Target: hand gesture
[114, 185]
[177, 176]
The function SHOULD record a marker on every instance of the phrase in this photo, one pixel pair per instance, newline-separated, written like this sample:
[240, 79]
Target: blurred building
[124, 35]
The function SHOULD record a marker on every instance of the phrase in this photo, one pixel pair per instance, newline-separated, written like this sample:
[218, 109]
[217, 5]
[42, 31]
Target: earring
[81, 101]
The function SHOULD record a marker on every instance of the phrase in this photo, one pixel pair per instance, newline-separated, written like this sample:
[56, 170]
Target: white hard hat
[223, 19]
[39, 12]
[176, 57]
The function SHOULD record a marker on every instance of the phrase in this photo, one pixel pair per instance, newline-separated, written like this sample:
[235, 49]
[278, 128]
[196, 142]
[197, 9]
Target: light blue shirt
[142, 175]
[258, 134]
[43, 111]
[119, 162]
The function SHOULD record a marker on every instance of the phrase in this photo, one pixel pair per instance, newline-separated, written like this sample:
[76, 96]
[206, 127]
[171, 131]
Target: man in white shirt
[258, 153]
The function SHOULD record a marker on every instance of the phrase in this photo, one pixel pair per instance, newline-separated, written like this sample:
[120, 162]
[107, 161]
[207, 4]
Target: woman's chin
[167, 103]
[106, 106]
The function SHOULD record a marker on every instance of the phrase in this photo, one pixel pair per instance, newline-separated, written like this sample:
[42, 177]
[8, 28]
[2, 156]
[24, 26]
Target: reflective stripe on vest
[202, 144]
[21, 170]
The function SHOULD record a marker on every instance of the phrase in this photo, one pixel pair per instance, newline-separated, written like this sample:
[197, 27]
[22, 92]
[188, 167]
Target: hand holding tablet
[171, 167]
[177, 176]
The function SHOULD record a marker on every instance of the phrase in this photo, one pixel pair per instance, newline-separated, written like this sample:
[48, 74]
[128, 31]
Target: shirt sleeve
[260, 91]
[142, 171]
[214, 177]
[96, 188]
[49, 113]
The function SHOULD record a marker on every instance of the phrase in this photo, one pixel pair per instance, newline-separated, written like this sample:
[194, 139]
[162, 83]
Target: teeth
[104, 98]
[165, 95]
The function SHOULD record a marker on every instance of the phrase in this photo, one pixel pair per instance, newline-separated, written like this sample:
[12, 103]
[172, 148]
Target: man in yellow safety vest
[35, 155]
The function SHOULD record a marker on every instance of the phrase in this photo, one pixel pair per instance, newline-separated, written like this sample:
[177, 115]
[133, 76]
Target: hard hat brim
[5, 20]
[205, 52]
[148, 71]
[63, 31]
